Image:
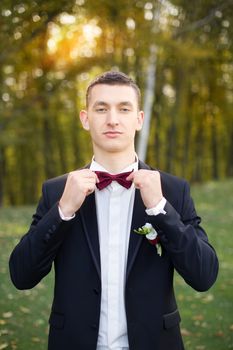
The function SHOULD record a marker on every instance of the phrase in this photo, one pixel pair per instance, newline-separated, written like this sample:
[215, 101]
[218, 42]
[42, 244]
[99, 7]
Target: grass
[207, 321]
[207, 318]
[23, 314]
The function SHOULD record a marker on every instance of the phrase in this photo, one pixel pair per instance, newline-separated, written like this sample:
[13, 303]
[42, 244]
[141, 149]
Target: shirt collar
[97, 167]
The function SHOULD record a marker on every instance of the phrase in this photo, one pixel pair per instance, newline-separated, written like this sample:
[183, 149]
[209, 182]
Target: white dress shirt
[114, 215]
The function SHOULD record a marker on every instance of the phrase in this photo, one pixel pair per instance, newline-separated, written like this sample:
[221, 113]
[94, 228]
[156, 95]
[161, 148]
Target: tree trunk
[148, 104]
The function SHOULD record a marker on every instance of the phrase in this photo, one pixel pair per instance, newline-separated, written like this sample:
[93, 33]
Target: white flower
[152, 233]
[152, 236]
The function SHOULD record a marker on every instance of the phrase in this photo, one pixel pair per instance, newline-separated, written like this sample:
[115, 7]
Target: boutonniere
[152, 236]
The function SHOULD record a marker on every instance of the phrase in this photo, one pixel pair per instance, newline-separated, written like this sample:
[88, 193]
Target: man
[112, 288]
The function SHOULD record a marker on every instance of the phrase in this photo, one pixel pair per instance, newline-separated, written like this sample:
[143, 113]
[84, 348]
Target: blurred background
[181, 55]
[179, 52]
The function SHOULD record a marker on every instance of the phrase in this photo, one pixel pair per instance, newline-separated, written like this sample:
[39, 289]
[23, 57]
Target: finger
[138, 185]
[90, 183]
[90, 188]
[92, 175]
[96, 177]
[131, 176]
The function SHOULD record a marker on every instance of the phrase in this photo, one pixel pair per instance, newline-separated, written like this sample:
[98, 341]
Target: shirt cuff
[158, 209]
[63, 217]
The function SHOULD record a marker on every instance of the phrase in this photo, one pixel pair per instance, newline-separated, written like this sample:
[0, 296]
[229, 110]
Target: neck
[115, 162]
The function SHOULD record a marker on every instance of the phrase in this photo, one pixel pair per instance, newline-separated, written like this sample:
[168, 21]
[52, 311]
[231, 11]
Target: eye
[101, 109]
[124, 109]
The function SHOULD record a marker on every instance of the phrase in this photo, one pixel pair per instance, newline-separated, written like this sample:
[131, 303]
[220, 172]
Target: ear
[140, 119]
[84, 119]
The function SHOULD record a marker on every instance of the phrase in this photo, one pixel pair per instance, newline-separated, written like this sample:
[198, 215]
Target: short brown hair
[114, 78]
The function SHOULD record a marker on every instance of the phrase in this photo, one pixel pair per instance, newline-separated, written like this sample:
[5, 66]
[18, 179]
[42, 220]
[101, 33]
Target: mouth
[112, 133]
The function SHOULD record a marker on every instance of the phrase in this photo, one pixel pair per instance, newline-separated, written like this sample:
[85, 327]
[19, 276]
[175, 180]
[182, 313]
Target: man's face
[112, 117]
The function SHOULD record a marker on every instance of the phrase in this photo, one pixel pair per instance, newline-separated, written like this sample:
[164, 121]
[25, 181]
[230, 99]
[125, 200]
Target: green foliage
[23, 314]
[206, 317]
[50, 50]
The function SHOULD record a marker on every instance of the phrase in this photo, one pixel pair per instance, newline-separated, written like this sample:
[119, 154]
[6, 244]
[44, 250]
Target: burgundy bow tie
[105, 179]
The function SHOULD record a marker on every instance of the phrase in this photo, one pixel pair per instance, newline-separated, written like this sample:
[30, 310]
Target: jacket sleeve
[33, 256]
[186, 243]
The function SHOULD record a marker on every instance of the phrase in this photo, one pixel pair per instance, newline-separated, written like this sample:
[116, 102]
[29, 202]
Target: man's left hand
[149, 184]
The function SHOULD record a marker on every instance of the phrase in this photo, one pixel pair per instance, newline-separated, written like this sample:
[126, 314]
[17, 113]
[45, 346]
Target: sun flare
[71, 38]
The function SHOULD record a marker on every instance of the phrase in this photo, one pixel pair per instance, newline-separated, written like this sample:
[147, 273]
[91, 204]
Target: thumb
[130, 177]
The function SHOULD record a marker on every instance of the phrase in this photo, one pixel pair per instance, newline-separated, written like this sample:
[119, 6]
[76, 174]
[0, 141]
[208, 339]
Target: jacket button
[94, 326]
[96, 291]
[54, 228]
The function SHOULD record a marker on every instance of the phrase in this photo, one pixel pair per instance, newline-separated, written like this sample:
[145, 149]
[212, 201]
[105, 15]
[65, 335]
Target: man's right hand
[79, 184]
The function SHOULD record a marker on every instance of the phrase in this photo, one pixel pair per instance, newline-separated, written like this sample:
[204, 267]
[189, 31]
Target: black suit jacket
[73, 247]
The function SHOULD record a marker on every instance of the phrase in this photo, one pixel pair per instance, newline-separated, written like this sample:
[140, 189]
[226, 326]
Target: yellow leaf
[208, 298]
[35, 340]
[25, 310]
[8, 314]
[198, 317]
[185, 332]
[3, 346]
[219, 334]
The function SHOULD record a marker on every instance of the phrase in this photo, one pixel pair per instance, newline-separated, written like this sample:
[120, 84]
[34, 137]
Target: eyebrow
[100, 103]
[126, 103]
[103, 103]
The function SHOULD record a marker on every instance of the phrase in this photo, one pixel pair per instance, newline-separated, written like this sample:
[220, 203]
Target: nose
[112, 118]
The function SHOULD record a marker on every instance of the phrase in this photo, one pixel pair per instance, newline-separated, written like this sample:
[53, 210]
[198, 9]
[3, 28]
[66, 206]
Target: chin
[114, 149]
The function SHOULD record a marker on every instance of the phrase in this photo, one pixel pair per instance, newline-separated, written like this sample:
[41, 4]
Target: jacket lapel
[90, 226]
[138, 220]
[135, 240]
